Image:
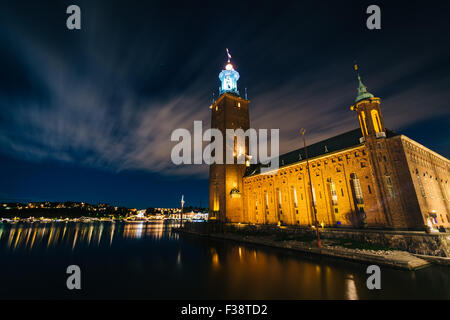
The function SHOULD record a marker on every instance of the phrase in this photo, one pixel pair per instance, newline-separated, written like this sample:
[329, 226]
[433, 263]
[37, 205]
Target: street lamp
[319, 244]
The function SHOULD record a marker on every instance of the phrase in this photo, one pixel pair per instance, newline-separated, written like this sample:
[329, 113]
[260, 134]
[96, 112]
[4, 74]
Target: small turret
[369, 114]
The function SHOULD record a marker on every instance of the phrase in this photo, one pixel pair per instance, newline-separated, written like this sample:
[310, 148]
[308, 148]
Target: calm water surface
[149, 261]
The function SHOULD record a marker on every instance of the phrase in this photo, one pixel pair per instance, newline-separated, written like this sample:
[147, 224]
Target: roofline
[374, 98]
[402, 136]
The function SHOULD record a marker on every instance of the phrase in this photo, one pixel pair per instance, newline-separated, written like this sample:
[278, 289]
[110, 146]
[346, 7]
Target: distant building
[140, 213]
[370, 176]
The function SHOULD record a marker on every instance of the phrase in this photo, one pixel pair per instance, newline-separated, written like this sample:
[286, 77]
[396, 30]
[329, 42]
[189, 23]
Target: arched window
[267, 199]
[376, 121]
[313, 196]
[364, 125]
[389, 185]
[294, 196]
[419, 181]
[357, 188]
[333, 192]
[279, 197]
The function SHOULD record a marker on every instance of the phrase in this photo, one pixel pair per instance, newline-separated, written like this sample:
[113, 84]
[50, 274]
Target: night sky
[87, 115]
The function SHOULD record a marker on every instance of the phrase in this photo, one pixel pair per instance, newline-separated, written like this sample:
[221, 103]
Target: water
[149, 261]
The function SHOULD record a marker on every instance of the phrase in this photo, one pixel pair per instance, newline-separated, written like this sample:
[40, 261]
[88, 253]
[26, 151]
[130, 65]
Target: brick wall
[334, 168]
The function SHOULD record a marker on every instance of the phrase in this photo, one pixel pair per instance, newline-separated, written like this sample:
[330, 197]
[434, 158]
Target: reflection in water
[273, 276]
[351, 293]
[245, 271]
[215, 258]
[73, 234]
[111, 236]
[143, 255]
[179, 259]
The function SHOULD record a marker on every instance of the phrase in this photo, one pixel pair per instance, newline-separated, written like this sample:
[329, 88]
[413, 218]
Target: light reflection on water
[149, 260]
[73, 234]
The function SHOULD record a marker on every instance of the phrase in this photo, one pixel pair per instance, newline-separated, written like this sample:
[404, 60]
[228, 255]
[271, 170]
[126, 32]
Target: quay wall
[432, 244]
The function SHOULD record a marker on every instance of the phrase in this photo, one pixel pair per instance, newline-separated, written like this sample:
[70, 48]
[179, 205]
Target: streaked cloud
[115, 108]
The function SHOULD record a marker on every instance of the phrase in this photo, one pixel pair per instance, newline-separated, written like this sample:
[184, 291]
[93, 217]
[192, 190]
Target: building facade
[366, 177]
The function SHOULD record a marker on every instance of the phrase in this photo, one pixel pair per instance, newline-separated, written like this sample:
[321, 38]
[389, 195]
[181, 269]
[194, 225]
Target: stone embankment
[395, 259]
[398, 249]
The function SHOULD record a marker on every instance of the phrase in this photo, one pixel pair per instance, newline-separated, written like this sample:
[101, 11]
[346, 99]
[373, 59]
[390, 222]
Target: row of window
[426, 163]
[356, 154]
[356, 185]
[443, 187]
[425, 158]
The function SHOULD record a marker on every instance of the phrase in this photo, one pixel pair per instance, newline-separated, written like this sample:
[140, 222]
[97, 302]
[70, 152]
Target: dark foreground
[149, 261]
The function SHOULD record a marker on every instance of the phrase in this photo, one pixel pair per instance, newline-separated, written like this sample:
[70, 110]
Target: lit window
[313, 196]
[294, 194]
[419, 181]
[357, 188]
[279, 198]
[333, 192]
[390, 186]
[267, 200]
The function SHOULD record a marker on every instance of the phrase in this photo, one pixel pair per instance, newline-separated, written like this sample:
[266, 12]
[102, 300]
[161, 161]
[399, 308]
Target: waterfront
[147, 260]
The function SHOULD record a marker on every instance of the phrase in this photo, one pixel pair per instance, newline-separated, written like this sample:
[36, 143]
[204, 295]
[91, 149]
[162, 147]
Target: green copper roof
[362, 91]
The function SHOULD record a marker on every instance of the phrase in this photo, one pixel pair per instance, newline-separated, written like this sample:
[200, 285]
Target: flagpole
[229, 55]
[181, 213]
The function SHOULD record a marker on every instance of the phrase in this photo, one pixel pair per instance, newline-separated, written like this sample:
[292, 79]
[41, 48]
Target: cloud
[322, 104]
[116, 109]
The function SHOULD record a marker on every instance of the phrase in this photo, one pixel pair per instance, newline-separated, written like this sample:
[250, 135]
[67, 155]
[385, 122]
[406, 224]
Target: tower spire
[362, 89]
[229, 56]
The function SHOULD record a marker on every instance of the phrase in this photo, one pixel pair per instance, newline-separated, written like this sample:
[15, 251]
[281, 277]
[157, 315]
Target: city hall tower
[229, 111]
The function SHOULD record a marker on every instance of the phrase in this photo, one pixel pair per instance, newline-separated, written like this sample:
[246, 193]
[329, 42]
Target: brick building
[366, 177]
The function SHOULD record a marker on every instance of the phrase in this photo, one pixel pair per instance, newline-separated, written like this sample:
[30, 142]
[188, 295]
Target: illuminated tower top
[362, 89]
[229, 78]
